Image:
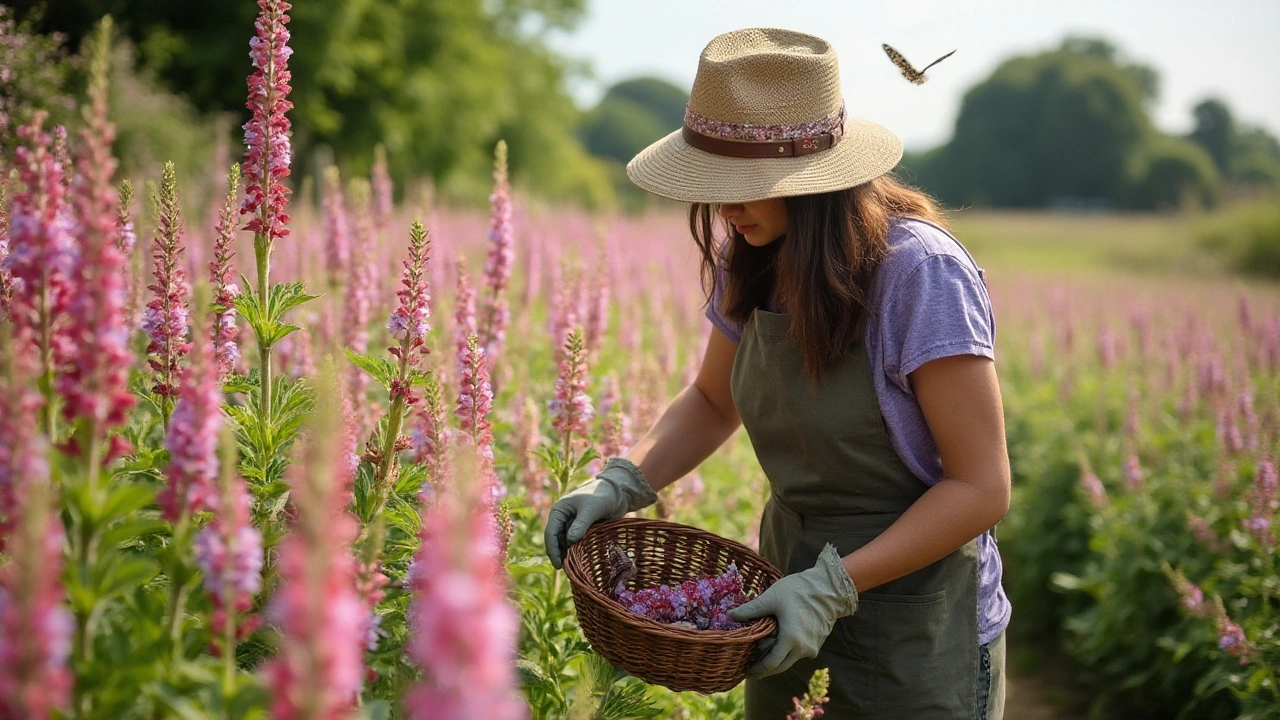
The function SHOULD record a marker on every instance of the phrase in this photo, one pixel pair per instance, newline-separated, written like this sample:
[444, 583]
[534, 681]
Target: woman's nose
[727, 210]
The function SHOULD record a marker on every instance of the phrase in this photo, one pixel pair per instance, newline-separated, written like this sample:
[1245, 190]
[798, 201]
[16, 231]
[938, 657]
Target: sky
[1200, 48]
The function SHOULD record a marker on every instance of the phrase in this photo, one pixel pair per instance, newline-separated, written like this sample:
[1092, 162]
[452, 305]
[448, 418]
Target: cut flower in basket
[701, 604]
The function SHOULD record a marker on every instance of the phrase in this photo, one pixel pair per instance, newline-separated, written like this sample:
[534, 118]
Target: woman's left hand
[807, 605]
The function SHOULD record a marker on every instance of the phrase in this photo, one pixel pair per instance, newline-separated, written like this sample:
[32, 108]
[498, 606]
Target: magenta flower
[229, 552]
[1231, 636]
[810, 706]
[464, 313]
[94, 385]
[496, 314]
[572, 410]
[22, 447]
[35, 628]
[40, 248]
[701, 604]
[165, 320]
[1094, 488]
[226, 349]
[319, 669]
[1132, 472]
[463, 630]
[266, 163]
[1191, 597]
[192, 441]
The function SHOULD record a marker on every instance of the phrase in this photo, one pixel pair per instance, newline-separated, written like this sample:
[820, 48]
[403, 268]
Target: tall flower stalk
[226, 349]
[496, 314]
[571, 409]
[39, 257]
[319, 669]
[165, 321]
[475, 402]
[267, 159]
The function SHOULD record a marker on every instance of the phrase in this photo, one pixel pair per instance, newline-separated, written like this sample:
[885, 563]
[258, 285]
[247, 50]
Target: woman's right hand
[619, 489]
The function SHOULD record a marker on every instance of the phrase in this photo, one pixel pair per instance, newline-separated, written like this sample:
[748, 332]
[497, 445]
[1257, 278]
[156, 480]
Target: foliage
[34, 71]
[1249, 234]
[1169, 173]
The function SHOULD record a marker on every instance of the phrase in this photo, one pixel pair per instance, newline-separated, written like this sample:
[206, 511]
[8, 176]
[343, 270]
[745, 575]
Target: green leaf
[117, 572]
[379, 368]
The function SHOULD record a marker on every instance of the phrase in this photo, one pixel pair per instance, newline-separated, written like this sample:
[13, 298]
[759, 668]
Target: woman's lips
[744, 229]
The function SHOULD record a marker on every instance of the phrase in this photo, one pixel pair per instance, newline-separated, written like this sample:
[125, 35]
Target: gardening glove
[619, 489]
[807, 605]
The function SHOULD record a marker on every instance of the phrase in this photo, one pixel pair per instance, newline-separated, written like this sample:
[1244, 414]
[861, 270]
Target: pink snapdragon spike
[496, 314]
[267, 132]
[430, 437]
[226, 347]
[464, 313]
[95, 386]
[41, 250]
[1231, 637]
[697, 604]
[810, 706]
[337, 230]
[571, 409]
[463, 629]
[165, 320]
[411, 320]
[229, 552]
[475, 403]
[192, 441]
[126, 238]
[35, 627]
[319, 670]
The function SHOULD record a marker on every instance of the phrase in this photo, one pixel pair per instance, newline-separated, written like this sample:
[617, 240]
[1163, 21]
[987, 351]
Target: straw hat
[765, 119]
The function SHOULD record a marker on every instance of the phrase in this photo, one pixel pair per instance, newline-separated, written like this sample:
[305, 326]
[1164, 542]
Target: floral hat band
[751, 140]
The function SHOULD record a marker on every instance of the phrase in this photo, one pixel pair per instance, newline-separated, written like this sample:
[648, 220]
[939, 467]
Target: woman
[854, 341]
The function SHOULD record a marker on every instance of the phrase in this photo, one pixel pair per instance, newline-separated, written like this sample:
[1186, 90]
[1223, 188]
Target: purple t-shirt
[929, 300]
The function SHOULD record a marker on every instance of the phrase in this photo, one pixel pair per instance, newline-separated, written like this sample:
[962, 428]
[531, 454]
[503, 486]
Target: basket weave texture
[666, 553]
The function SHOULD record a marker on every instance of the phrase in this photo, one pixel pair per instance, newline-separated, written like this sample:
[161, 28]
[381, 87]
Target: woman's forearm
[689, 430]
[948, 515]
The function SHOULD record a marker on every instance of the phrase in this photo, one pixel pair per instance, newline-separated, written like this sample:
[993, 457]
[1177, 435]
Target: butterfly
[909, 72]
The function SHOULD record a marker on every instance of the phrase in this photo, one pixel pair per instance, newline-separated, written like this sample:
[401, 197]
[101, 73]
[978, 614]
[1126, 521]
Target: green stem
[46, 365]
[229, 659]
[262, 249]
[86, 550]
[178, 598]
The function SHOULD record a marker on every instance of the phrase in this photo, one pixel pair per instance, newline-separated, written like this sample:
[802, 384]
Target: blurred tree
[1255, 158]
[34, 70]
[631, 115]
[1214, 130]
[1059, 126]
[1171, 173]
[436, 81]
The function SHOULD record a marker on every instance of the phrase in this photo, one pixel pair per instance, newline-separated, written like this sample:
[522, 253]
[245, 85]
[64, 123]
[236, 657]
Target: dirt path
[1032, 696]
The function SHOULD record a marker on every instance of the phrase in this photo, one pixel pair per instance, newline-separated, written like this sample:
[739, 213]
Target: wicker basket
[678, 658]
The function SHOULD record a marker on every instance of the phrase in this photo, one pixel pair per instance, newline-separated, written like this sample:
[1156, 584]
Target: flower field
[295, 461]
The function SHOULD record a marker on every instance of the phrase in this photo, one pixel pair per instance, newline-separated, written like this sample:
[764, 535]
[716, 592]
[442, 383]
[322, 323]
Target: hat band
[748, 140]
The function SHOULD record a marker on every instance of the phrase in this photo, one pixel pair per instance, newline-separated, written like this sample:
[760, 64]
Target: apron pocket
[907, 656]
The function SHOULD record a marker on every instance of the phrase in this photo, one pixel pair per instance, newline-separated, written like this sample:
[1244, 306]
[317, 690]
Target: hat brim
[671, 168]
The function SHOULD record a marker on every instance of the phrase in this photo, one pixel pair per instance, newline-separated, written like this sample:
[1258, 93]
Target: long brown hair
[821, 271]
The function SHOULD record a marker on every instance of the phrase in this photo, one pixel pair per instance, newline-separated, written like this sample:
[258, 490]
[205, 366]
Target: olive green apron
[911, 649]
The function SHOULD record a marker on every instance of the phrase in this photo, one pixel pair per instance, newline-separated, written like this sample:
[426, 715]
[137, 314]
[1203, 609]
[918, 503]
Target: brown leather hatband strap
[759, 149]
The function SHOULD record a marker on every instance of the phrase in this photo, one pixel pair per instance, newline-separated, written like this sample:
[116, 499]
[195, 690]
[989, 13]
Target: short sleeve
[940, 309]
[731, 329]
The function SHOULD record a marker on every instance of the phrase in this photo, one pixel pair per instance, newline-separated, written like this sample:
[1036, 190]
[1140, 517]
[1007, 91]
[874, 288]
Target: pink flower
[222, 275]
[430, 437]
[497, 270]
[572, 410]
[126, 238]
[229, 552]
[319, 669]
[165, 320]
[463, 628]
[359, 299]
[40, 251]
[337, 232]
[266, 163]
[94, 386]
[382, 189]
[1263, 502]
[410, 321]
[35, 628]
[526, 438]
[475, 402]
[22, 447]
[1231, 638]
[1132, 472]
[192, 441]
[464, 313]
[1094, 488]
[615, 430]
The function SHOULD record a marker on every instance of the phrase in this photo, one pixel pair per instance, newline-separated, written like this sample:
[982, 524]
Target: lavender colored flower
[475, 402]
[266, 162]
[495, 315]
[229, 552]
[410, 321]
[165, 319]
[1263, 503]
